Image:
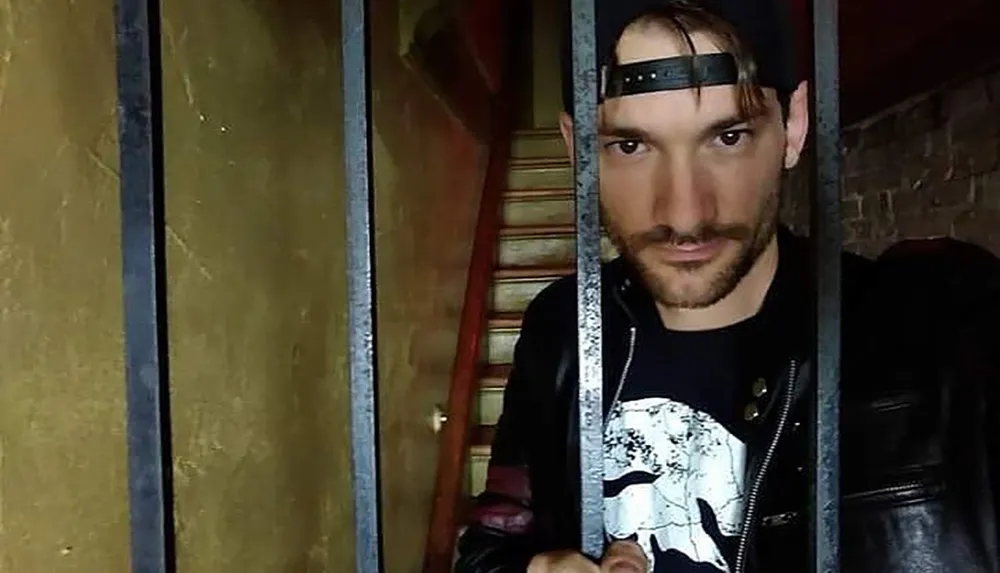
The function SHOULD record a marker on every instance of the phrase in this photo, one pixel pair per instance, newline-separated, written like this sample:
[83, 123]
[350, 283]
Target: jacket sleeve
[962, 282]
[990, 336]
[503, 534]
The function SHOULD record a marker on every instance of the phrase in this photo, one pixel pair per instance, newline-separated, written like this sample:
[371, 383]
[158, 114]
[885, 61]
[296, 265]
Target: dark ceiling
[891, 50]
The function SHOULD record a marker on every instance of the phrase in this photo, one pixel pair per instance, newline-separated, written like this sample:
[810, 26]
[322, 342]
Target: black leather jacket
[920, 435]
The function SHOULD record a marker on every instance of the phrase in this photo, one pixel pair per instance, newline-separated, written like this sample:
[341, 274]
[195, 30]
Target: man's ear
[566, 127]
[797, 126]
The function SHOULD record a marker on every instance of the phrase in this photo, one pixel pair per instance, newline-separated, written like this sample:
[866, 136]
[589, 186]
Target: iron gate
[146, 367]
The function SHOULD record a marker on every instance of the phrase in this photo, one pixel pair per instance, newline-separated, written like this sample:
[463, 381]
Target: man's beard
[752, 238]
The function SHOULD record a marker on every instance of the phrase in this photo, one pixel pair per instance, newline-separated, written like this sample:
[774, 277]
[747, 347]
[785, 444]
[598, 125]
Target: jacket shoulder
[557, 301]
[949, 271]
[923, 290]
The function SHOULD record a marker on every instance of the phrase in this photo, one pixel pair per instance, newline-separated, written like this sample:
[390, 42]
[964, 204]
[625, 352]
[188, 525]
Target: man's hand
[621, 557]
[624, 557]
[562, 562]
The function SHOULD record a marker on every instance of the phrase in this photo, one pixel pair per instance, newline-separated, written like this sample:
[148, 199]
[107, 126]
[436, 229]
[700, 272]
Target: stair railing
[446, 509]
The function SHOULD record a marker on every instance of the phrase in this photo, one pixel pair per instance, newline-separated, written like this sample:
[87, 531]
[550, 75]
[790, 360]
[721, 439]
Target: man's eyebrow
[623, 132]
[637, 133]
[727, 123]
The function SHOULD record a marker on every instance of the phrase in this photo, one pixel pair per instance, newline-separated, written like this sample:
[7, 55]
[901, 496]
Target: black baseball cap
[763, 27]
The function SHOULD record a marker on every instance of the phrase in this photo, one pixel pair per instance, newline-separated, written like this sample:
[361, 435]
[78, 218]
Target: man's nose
[682, 200]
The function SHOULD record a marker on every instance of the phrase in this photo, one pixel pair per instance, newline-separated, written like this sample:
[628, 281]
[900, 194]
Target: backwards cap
[763, 27]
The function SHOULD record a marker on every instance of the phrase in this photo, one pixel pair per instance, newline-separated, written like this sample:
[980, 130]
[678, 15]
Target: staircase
[536, 245]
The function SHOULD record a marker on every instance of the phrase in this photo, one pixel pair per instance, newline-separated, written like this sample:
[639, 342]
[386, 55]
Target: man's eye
[733, 137]
[625, 147]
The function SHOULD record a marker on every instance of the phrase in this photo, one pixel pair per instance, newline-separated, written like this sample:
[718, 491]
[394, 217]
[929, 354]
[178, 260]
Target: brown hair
[684, 19]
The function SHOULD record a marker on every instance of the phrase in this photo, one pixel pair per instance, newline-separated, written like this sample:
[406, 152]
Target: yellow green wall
[256, 282]
[548, 20]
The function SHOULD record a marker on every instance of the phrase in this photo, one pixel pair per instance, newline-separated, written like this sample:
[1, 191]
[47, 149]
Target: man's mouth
[688, 252]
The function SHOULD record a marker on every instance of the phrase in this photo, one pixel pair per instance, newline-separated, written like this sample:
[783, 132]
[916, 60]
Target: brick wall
[928, 167]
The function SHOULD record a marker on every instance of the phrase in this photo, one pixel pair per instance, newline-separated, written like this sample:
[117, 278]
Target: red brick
[975, 140]
[885, 203]
[850, 209]
[975, 157]
[979, 226]
[964, 98]
[930, 169]
[851, 138]
[920, 224]
[918, 146]
[877, 207]
[880, 132]
[988, 191]
[853, 185]
[907, 203]
[951, 193]
[857, 231]
[851, 161]
[993, 85]
[872, 159]
[934, 167]
[983, 123]
[888, 176]
[919, 118]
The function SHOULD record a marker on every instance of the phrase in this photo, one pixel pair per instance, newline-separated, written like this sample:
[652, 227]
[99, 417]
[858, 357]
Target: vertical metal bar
[361, 288]
[140, 131]
[827, 239]
[588, 286]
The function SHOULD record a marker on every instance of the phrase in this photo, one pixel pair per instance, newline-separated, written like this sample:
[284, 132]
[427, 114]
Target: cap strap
[670, 74]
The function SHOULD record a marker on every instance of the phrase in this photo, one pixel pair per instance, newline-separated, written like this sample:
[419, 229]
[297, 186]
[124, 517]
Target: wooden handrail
[454, 444]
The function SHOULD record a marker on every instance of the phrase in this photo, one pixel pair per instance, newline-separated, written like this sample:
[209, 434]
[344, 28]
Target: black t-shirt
[675, 441]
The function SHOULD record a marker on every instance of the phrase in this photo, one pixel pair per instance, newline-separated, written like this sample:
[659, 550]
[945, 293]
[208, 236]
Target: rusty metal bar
[827, 239]
[140, 131]
[588, 264]
[361, 287]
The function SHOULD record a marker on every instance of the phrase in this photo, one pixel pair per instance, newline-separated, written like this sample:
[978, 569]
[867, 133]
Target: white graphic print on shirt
[674, 482]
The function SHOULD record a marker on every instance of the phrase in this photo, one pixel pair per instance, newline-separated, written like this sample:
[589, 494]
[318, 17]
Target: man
[707, 334]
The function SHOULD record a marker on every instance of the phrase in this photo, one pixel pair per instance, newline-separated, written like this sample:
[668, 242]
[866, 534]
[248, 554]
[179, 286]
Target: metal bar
[140, 131]
[827, 240]
[588, 285]
[361, 288]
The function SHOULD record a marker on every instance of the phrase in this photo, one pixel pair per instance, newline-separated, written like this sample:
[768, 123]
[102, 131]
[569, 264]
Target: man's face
[689, 188]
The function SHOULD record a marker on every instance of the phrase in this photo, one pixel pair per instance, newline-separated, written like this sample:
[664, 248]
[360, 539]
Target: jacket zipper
[914, 486]
[751, 510]
[625, 369]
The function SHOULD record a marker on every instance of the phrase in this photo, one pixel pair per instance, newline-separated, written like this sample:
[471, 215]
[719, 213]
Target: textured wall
[62, 485]
[256, 278]
[253, 153]
[929, 167]
[548, 17]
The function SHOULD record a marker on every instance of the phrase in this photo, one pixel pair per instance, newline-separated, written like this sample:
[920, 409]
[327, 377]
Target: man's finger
[624, 557]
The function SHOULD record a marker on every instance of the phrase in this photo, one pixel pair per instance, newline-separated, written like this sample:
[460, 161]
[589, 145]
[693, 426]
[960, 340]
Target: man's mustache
[666, 235]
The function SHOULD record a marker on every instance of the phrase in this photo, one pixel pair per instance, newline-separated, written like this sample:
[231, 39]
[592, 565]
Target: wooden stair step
[480, 439]
[544, 245]
[539, 173]
[560, 230]
[528, 231]
[540, 194]
[532, 273]
[544, 142]
[495, 376]
[515, 286]
[506, 321]
[536, 132]
[539, 162]
[538, 206]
